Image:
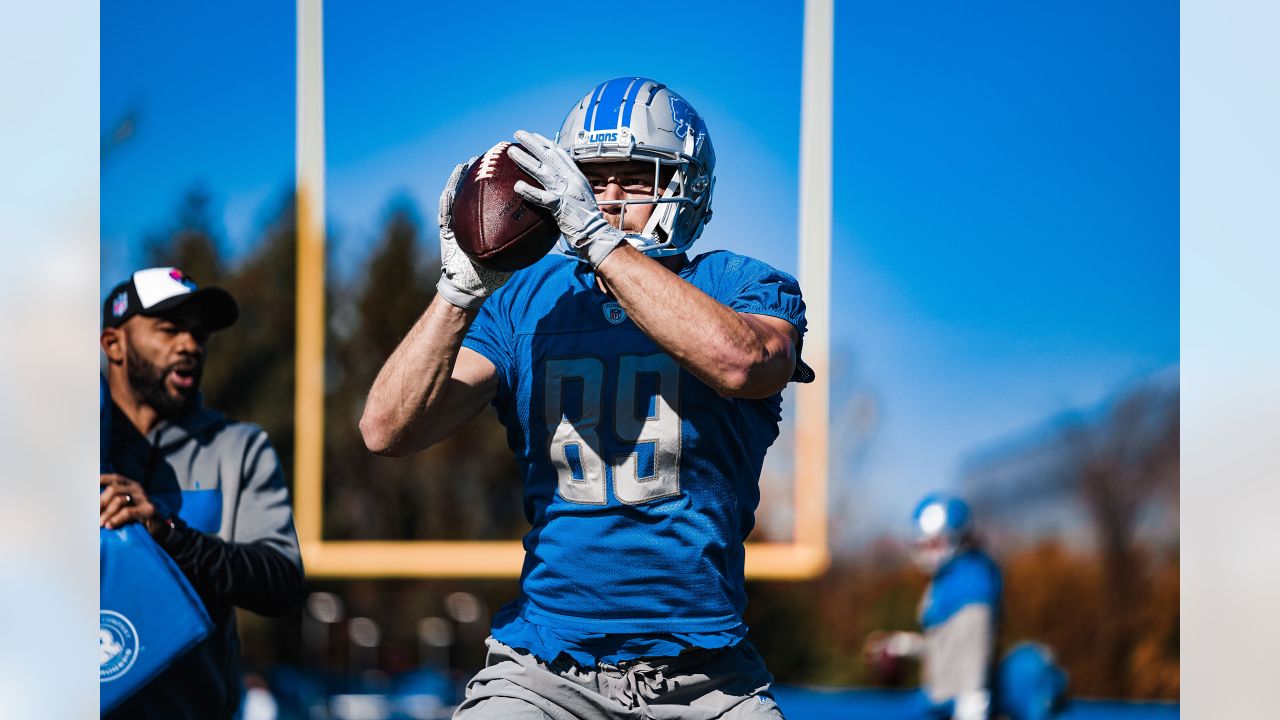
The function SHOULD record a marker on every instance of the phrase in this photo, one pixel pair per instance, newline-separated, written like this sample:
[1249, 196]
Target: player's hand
[462, 282]
[891, 644]
[123, 501]
[874, 646]
[567, 195]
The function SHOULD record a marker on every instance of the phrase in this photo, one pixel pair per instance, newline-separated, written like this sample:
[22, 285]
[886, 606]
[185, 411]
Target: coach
[208, 489]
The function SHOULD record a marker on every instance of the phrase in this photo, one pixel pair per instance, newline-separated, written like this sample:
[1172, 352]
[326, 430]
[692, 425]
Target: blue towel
[150, 615]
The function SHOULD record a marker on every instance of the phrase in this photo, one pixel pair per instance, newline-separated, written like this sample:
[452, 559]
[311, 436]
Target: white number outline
[592, 488]
[665, 481]
[664, 429]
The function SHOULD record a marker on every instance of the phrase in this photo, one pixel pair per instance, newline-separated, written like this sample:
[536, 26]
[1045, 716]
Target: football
[493, 225]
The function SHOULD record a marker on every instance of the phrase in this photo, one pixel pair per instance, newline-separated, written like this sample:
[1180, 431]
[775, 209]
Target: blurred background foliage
[1099, 585]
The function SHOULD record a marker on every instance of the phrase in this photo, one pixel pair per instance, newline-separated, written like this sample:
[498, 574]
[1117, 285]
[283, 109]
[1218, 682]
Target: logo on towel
[117, 645]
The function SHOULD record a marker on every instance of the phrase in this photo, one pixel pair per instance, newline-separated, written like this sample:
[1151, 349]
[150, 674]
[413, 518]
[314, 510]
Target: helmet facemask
[671, 192]
[931, 553]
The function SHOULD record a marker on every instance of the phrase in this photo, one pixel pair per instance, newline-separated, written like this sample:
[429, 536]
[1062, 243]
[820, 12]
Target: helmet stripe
[610, 102]
[630, 101]
[589, 116]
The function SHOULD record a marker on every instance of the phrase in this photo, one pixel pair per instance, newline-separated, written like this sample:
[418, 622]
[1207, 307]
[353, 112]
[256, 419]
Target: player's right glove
[462, 282]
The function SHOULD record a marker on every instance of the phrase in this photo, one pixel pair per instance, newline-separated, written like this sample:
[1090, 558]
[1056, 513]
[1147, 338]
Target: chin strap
[663, 211]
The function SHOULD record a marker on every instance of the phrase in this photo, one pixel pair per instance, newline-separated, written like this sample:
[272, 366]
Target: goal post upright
[812, 400]
[308, 415]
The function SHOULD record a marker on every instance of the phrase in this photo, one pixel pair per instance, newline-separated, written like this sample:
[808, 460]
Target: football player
[959, 613]
[640, 390]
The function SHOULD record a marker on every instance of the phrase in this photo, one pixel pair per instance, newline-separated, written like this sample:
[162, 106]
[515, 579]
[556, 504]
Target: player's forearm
[413, 382]
[718, 345]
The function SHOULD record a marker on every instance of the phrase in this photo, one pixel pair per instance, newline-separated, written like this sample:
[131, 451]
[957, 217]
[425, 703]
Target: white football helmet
[941, 526]
[634, 118]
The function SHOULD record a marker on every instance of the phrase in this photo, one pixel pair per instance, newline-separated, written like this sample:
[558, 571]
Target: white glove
[972, 705]
[567, 195]
[462, 282]
[905, 644]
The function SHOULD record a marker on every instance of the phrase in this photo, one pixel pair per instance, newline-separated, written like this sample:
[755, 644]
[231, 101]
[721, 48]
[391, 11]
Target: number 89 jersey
[641, 482]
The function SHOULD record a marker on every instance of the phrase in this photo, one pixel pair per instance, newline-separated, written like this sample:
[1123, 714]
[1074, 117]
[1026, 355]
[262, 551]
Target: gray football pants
[732, 683]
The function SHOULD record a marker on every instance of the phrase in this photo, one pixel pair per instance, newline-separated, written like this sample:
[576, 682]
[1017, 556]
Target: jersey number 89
[644, 415]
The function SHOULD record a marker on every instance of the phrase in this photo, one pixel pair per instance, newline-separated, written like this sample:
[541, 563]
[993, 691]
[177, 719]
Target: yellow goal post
[805, 556]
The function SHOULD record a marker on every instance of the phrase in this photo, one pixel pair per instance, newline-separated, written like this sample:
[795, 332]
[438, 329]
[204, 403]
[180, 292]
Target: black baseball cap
[167, 292]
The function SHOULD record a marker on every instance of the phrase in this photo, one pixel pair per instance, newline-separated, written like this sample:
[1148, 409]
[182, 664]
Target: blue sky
[1005, 230]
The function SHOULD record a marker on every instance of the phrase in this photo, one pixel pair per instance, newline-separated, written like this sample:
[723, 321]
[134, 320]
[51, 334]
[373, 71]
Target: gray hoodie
[233, 538]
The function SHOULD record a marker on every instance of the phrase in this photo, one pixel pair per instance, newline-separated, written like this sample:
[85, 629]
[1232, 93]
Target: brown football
[493, 225]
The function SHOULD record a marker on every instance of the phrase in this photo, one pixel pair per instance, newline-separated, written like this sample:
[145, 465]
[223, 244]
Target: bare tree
[1124, 464]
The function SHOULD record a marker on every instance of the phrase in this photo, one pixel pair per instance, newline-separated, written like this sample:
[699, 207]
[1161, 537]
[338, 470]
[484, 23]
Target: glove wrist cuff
[595, 250]
[457, 296]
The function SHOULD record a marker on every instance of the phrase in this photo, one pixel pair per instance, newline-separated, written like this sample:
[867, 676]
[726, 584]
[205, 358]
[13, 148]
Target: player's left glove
[567, 195]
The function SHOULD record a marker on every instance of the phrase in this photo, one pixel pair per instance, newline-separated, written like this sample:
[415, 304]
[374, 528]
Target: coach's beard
[148, 380]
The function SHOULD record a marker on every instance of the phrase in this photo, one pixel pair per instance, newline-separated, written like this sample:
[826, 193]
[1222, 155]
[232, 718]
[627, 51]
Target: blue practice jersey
[641, 482]
[971, 577]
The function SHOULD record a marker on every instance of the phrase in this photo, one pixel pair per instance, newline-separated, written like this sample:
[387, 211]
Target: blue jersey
[641, 482]
[969, 578]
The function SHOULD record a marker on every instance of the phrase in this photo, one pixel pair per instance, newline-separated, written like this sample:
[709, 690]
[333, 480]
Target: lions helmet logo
[687, 121]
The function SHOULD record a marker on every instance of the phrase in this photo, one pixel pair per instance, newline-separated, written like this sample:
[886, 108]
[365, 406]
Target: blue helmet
[635, 118]
[941, 524]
